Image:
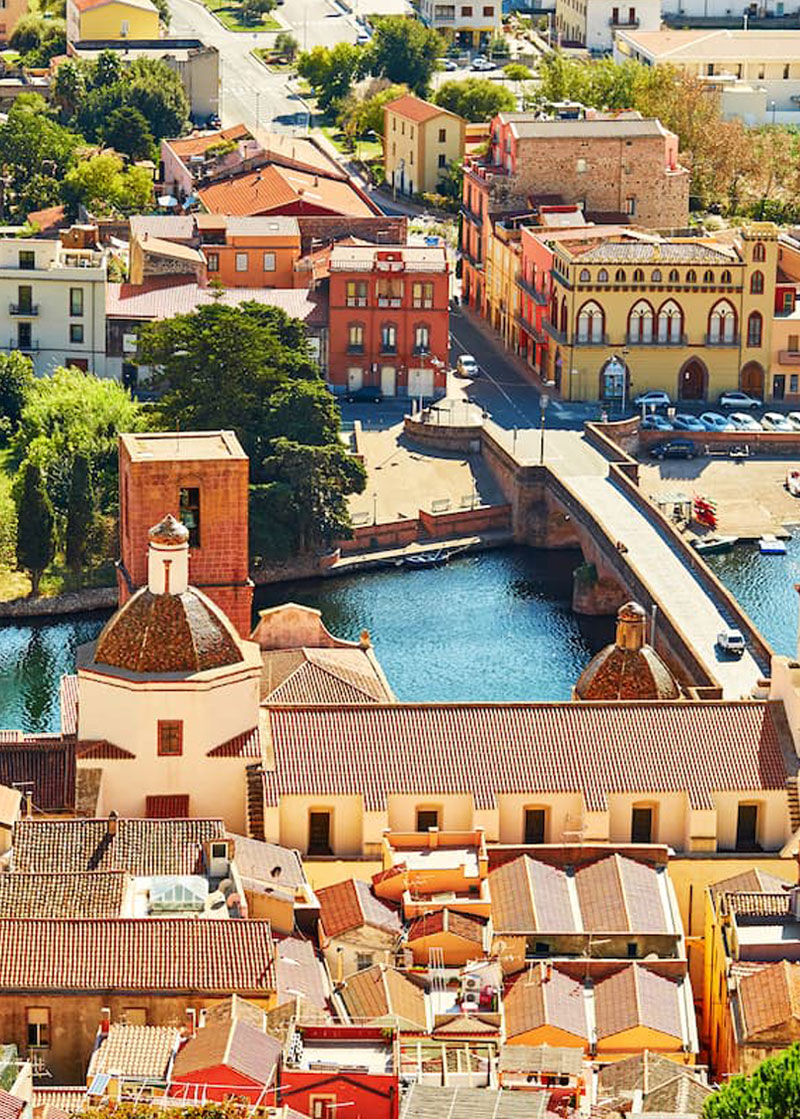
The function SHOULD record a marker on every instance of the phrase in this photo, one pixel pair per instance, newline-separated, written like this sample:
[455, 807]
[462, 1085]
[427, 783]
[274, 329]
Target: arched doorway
[615, 382]
[693, 381]
[751, 379]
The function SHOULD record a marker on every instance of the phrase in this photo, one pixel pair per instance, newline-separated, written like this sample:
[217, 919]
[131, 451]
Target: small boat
[771, 546]
[428, 559]
[793, 481]
[714, 545]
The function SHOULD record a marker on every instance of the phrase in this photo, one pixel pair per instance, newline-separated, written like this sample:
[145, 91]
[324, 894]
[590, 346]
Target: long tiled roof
[349, 905]
[245, 745]
[164, 301]
[660, 252]
[541, 1058]
[168, 954]
[414, 108]
[45, 763]
[434, 1101]
[271, 188]
[91, 894]
[140, 847]
[299, 970]
[487, 749]
[136, 1051]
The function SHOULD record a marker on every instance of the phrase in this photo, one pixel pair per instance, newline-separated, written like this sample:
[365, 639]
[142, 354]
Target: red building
[201, 477]
[227, 1059]
[342, 1070]
[389, 319]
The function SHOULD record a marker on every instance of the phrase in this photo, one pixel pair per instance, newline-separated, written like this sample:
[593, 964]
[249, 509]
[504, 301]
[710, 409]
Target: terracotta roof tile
[234, 1044]
[273, 189]
[11, 1107]
[63, 1100]
[167, 806]
[302, 676]
[180, 297]
[299, 969]
[769, 1001]
[381, 992]
[423, 1101]
[140, 847]
[102, 749]
[593, 749]
[642, 1071]
[136, 1051]
[68, 693]
[92, 894]
[750, 881]
[199, 145]
[351, 905]
[541, 1058]
[168, 954]
[414, 108]
[245, 745]
[45, 764]
[620, 895]
[466, 926]
[267, 864]
[544, 996]
[636, 997]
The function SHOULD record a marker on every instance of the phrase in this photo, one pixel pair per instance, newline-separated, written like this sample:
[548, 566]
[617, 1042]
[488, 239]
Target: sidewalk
[477, 322]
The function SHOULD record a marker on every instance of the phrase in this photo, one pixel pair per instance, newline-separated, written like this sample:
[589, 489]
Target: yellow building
[420, 141]
[503, 265]
[689, 316]
[93, 20]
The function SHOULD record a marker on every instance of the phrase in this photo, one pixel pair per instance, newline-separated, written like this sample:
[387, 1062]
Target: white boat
[771, 546]
[793, 481]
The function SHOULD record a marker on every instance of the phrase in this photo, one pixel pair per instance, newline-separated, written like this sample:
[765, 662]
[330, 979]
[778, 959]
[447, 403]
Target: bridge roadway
[656, 560]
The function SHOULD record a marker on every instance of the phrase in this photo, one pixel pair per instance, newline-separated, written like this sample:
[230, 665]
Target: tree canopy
[331, 71]
[16, 382]
[475, 99]
[403, 50]
[35, 523]
[771, 1092]
[104, 185]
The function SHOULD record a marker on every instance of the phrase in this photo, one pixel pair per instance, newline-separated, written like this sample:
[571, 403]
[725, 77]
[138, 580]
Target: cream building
[757, 72]
[168, 699]
[420, 141]
[53, 300]
[468, 25]
[592, 23]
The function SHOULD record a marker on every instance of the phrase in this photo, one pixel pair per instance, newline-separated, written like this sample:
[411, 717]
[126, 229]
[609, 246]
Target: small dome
[169, 531]
[630, 668]
[154, 633]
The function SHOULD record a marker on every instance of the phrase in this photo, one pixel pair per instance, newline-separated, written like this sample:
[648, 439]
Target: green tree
[252, 11]
[71, 413]
[80, 515]
[127, 132]
[35, 522]
[104, 186]
[771, 1092]
[164, 14]
[360, 115]
[107, 69]
[36, 153]
[69, 86]
[403, 50]
[475, 99]
[38, 39]
[286, 46]
[331, 71]
[157, 91]
[517, 72]
[16, 382]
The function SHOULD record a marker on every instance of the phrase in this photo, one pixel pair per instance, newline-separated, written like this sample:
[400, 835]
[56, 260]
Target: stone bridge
[586, 495]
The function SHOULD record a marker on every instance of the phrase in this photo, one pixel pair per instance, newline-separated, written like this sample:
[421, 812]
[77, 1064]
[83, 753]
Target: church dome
[155, 633]
[630, 668]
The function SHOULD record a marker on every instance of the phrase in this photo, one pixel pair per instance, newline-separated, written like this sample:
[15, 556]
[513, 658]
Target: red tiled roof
[482, 749]
[49, 219]
[164, 301]
[770, 1001]
[235, 1045]
[414, 108]
[350, 905]
[102, 749]
[245, 745]
[91, 894]
[168, 806]
[467, 926]
[45, 763]
[168, 954]
[544, 996]
[11, 1107]
[636, 997]
[272, 189]
[68, 693]
[199, 145]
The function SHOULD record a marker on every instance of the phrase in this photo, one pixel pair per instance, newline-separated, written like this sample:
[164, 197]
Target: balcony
[555, 334]
[31, 347]
[679, 340]
[619, 21]
[789, 357]
[390, 301]
[356, 348]
[475, 261]
[537, 296]
[23, 310]
[597, 340]
[356, 301]
[389, 351]
[470, 215]
[734, 341]
[529, 328]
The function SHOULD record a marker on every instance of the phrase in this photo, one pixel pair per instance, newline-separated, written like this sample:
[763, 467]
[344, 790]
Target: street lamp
[543, 402]
[772, 103]
[375, 507]
[625, 354]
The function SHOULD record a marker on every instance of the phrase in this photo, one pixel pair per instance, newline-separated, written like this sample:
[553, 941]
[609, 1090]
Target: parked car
[740, 400]
[675, 448]
[367, 394]
[731, 641]
[774, 421]
[743, 421]
[794, 419]
[655, 423]
[467, 366]
[448, 64]
[713, 421]
[481, 63]
[684, 422]
[653, 399]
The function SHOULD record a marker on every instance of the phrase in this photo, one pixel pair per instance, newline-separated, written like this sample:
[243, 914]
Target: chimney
[191, 1014]
[113, 817]
[364, 640]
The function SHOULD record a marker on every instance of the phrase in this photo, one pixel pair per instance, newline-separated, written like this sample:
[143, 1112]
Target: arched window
[640, 322]
[620, 276]
[602, 276]
[585, 276]
[757, 283]
[674, 276]
[754, 326]
[722, 323]
[656, 277]
[691, 277]
[708, 277]
[422, 338]
[389, 338]
[638, 276]
[564, 315]
[759, 252]
[670, 322]
[554, 309]
[590, 323]
[725, 278]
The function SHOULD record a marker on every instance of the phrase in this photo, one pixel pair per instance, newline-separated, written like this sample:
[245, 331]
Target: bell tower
[203, 477]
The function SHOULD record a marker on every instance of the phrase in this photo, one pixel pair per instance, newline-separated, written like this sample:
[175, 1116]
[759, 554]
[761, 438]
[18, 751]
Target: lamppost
[543, 402]
[375, 507]
[772, 103]
[625, 353]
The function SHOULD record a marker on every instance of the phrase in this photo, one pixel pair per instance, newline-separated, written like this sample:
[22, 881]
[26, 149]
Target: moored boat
[714, 545]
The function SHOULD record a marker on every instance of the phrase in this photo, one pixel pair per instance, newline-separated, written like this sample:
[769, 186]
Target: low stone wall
[465, 522]
[73, 602]
[781, 444]
[395, 534]
[299, 567]
[445, 437]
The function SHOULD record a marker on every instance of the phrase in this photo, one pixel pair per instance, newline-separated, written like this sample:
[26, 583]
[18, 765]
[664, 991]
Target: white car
[653, 399]
[743, 401]
[774, 421]
[743, 421]
[794, 419]
[467, 366]
[731, 641]
[447, 64]
[713, 421]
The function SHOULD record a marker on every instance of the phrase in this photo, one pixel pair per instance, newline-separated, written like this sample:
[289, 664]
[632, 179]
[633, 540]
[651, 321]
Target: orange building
[250, 252]
[389, 319]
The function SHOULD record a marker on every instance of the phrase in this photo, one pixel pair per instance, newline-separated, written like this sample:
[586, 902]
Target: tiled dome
[628, 669]
[154, 633]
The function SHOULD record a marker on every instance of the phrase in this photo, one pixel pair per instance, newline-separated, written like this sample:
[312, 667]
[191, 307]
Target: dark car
[675, 448]
[367, 394]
